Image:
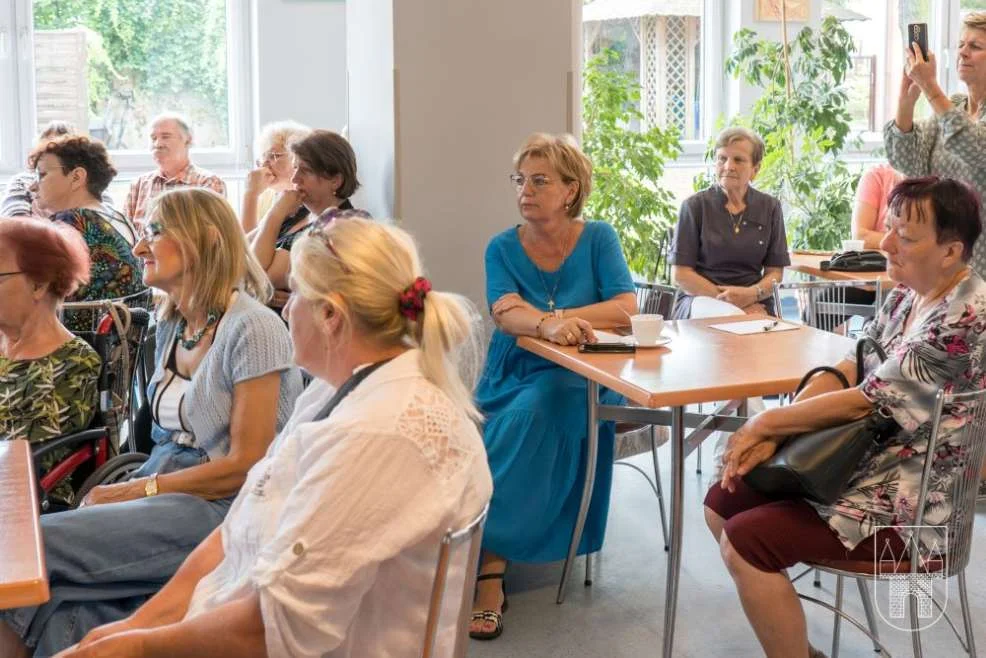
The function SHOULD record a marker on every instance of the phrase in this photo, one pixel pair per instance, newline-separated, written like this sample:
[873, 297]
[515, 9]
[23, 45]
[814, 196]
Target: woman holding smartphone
[951, 143]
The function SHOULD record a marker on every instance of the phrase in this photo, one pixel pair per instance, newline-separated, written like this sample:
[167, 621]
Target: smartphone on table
[918, 33]
[607, 348]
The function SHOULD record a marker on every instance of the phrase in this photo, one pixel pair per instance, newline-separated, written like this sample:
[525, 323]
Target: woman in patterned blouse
[931, 326]
[952, 142]
[73, 171]
[47, 375]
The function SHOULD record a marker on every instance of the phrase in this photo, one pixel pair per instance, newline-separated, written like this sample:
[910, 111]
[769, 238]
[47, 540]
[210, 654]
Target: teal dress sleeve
[612, 274]
[499, 281]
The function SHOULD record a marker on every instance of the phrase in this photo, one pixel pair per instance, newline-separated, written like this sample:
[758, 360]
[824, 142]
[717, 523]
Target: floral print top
[45, 398]
[942, 350]
[114, 271]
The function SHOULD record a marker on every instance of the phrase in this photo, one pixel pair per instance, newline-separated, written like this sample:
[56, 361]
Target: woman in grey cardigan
[223, 387]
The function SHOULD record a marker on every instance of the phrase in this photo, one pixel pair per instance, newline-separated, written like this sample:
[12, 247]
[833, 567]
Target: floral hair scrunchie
[412, 300]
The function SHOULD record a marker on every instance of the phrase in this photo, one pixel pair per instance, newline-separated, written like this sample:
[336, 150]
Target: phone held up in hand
[607, 348]
[918, 33]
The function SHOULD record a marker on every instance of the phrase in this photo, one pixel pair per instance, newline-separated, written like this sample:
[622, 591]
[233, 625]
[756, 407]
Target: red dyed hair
[53, 254]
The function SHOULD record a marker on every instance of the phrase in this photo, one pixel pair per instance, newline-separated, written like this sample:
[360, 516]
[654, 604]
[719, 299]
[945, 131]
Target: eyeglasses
[151, 232]
[273, 156]
[537, 181]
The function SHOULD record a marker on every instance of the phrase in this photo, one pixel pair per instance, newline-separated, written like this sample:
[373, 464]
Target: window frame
[18, 113]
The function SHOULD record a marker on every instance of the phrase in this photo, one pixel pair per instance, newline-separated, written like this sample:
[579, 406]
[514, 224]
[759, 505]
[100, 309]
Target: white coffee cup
[852, 245]
[647, 328]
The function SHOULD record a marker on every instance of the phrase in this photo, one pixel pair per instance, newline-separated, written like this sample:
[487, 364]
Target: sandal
[490, 615]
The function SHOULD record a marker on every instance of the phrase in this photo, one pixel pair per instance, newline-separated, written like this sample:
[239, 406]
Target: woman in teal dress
[554, 277]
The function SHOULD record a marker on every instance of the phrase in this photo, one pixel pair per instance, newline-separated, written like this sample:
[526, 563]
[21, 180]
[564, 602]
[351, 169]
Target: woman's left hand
[746, 448]
[739, 296]
[922, 71]
[114, 493]
[122, 645]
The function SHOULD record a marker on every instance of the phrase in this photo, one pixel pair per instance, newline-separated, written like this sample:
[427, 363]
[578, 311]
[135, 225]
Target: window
[109, 66]
[662, 49]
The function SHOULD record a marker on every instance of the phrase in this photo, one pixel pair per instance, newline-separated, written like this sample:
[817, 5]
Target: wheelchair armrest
[67, 441]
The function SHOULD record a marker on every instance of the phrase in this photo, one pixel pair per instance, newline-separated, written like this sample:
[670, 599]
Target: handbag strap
[814, 371]
[861, 346]
[346, 389]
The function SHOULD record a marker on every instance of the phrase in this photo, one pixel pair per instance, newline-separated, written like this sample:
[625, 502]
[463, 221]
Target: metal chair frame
[820, 302]
[959, 528]
[472, 534]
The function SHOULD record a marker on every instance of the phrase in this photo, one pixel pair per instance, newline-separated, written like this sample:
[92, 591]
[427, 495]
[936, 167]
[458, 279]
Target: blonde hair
[212, 246]
[359, 268]
[975, 20]
[280, 132]
[565, 157]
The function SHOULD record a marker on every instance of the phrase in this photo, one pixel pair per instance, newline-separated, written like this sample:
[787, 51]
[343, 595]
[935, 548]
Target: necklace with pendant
[196, 338]
[736, 222]
[551, 295]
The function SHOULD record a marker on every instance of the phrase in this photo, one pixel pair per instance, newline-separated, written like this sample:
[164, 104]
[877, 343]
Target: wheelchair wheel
[114, 470]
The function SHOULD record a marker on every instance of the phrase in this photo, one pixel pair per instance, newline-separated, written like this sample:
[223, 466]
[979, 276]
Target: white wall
[473, 80]
[300, 62]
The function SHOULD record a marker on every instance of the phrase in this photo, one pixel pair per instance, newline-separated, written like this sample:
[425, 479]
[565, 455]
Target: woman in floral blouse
[73, 171]
[47, 375]
[931, 326]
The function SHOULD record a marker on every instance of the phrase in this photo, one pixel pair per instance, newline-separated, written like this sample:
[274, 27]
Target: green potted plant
[627, 165]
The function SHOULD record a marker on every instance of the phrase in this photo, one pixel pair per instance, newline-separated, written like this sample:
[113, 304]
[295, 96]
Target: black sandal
[490, 615]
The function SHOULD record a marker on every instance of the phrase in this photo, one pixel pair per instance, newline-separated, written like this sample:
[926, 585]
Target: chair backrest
[463, 543]
[655, 298]
[969, 447]
[823, 305]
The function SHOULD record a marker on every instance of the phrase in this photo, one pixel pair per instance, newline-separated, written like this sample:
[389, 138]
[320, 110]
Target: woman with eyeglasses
[47, 375]
[73, 172]
[330, 549]
[222, 387]
[554, 277]
[323, 177]
[272, 174]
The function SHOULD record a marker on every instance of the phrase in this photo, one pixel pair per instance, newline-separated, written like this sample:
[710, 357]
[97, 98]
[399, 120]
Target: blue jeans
[105, 561]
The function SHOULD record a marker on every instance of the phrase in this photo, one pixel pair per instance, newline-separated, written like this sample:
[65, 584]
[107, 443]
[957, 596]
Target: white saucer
[661, 342]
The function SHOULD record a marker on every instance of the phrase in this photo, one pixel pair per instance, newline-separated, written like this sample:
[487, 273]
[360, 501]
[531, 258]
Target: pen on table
[770, 326]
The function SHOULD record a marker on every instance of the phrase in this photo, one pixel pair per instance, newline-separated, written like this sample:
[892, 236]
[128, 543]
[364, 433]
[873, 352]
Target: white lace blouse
[338, 526]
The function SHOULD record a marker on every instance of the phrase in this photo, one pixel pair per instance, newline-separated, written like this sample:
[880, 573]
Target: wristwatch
[150, 487]
[759, 292]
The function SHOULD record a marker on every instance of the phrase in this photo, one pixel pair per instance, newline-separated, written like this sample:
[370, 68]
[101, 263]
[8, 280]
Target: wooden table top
[812, 264]
[23, 577]
[702, 364]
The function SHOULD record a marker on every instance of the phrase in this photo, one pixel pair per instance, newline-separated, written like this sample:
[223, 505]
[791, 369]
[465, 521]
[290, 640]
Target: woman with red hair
[47, 375]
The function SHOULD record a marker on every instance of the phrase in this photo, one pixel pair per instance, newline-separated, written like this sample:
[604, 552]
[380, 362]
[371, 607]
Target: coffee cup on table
[852, 245]
[647, 328]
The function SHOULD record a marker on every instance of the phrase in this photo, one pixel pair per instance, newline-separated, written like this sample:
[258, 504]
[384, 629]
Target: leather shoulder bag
[818, 465]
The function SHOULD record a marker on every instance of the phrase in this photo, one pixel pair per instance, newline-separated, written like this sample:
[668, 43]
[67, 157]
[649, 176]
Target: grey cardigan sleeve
[910, 152]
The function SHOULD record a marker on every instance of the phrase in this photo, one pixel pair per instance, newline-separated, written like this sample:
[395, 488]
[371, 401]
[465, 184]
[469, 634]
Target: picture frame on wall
[770, 10]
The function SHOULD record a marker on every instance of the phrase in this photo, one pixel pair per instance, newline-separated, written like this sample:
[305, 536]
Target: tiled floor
[622, 613]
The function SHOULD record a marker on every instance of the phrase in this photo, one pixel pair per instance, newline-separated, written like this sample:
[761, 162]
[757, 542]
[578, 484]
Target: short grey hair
[280, 132]
[180, 119]
[738, 134]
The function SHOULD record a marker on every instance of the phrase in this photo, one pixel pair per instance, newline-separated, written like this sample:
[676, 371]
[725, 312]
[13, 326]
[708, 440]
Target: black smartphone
[918, 33]
[607, 348]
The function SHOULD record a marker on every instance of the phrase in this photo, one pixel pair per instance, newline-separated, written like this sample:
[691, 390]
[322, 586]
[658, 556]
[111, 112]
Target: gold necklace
[736, 222]
[564, 258]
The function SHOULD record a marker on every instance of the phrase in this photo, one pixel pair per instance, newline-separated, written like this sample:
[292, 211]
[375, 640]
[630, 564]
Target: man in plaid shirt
[171, 138]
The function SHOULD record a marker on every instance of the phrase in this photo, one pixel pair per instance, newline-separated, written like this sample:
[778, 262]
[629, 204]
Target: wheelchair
[119, 330]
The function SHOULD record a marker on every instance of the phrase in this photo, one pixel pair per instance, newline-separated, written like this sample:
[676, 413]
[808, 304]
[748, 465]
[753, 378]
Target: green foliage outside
[162, 48]
[627, 164]
[805, 132]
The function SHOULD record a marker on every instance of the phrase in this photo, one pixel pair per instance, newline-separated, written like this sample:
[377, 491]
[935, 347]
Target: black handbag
[856, 261]
[818, 465]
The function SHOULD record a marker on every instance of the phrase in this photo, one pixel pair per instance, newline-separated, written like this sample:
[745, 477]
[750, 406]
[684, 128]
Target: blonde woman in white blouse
[330, 548]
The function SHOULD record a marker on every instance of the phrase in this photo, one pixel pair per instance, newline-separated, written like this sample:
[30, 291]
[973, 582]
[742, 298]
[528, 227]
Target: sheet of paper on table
[753, 327]
[610, 337]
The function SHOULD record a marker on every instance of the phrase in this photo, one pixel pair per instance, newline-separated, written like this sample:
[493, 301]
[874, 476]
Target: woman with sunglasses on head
[554, 277]
[223, 386]
[323, 177]
[330, 549]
